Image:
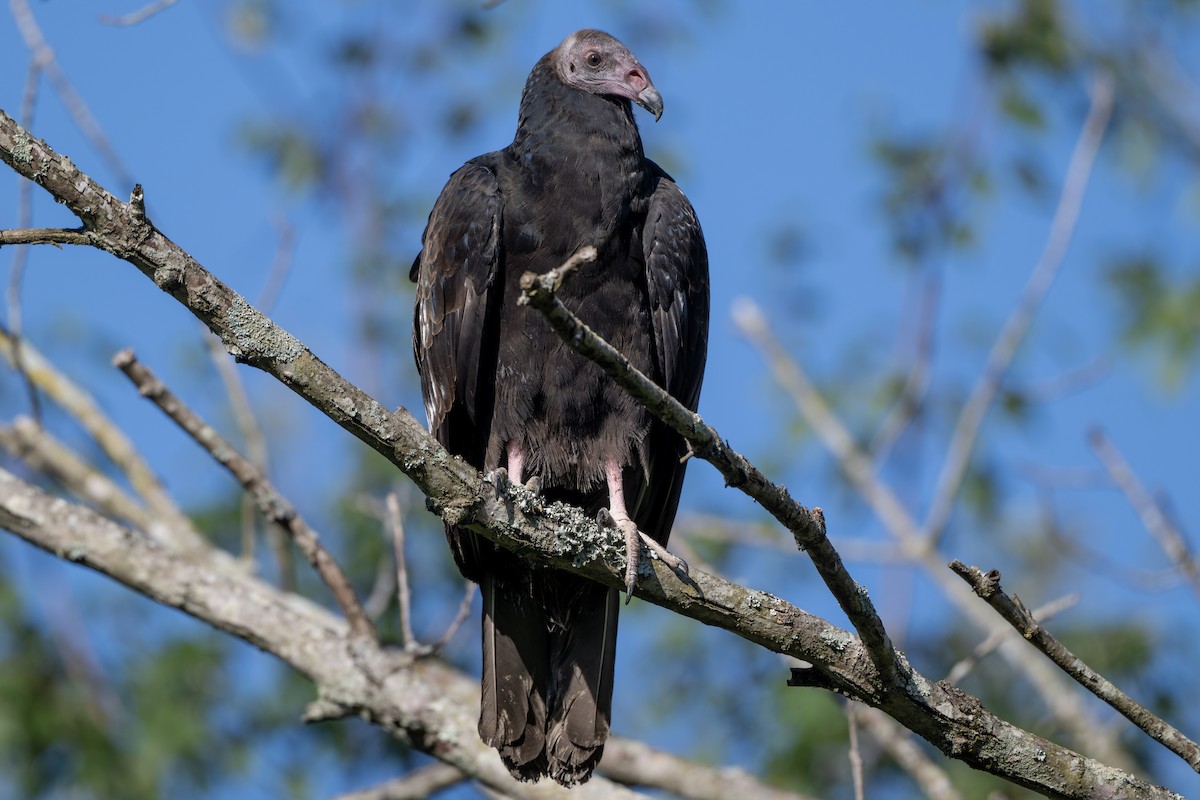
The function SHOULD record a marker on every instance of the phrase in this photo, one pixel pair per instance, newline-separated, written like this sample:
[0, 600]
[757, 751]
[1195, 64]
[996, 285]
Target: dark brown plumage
[502, 391]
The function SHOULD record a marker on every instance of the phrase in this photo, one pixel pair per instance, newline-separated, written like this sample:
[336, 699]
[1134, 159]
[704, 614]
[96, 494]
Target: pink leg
[633, 537]
[516, 461]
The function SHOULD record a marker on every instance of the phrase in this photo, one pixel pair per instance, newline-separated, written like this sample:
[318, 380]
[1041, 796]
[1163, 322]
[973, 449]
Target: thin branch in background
[256, 450]
[1064, 477]
[633, 763]
[43, 55]
[421, 783]
[898, 743]
[751, 322]
[141, 15]
[1070, 382]
[16, 272]
[395, 521]
[70, 635]
[806, 526]
[856, 761]
[1004, 350]
[908, 404]
[281, 265]
[272, 504]
[987, 586]
[31, 443]
[1066, 706]
[464, 611]
[1078, 551]
[1155, 520]
[748, 533]
[383, 589]
[176, 528]
[1177, 95]
[1042, 613]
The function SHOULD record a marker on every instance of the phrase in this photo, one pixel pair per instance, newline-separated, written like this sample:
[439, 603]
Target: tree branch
[1156, 522]
[807, 527]
[987, 586]
[54, 236]
[1065, 705]
[271, 503]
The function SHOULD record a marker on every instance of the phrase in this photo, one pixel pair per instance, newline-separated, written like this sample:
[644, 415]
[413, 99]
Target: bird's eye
[593, 59]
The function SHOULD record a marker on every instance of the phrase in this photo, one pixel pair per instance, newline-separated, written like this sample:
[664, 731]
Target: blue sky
[768, 109]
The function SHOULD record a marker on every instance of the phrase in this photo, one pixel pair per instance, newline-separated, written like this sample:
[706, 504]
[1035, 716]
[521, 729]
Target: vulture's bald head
[595, 62]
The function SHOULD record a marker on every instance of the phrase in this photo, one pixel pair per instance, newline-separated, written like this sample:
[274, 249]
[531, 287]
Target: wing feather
[677, 280]
[454, 273]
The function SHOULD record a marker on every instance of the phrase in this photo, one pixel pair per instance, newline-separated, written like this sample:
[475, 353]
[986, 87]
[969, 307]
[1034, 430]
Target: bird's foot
[634, 539]
[498, 478]
[534, 484]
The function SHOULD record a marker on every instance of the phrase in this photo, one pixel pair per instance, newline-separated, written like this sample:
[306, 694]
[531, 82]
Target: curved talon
[666, 556]
[498, 478]
[633, 552]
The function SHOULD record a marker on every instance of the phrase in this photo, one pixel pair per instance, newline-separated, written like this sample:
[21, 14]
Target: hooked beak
[651, 100]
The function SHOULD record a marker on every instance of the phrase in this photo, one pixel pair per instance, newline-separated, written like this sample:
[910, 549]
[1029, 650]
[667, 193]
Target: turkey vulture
[504, 392]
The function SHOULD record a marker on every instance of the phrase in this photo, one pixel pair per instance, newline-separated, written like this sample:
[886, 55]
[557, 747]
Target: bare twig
[1156, 522]
[395, 520]
[141, 15]
[987, 586]
[383, 589]
[43, 54]
[1069, 382]
[54, 236]
[272, 504]
[419, 784]
[1004, 350]
[807, 526]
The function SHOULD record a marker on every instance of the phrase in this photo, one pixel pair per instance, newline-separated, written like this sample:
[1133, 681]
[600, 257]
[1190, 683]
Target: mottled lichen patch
[252, 332]
[837, 641]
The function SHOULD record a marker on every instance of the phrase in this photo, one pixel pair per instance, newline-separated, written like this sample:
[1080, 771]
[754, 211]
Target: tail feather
[549, 643]
[512, 711]
[583, 678]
